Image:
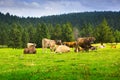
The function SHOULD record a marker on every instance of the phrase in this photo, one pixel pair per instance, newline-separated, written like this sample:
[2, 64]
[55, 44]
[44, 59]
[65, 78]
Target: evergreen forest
[16, 32]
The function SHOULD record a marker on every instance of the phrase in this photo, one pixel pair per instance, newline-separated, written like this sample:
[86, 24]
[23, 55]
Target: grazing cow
[85, 42]
[62, 49]
[30, 50]
[70, 44]
[50, 43]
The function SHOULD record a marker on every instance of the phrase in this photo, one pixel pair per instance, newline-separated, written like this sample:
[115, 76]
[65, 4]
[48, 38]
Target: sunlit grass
[101, 64]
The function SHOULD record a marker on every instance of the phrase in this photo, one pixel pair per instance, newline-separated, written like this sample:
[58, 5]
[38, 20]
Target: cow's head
[58, 42]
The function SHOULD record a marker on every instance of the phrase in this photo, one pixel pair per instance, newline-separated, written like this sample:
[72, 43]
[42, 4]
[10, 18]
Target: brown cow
[70, 44]
[30, 49]
[47, 43]
[78, 48]
[113, 46]
[85, 42]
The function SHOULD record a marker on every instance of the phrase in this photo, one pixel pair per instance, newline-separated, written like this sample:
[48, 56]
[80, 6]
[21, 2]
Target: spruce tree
[117, 36]
[67, 32]
[57, 32]
[41, 32]
[25, 38]
[15, 37]
[104, 33]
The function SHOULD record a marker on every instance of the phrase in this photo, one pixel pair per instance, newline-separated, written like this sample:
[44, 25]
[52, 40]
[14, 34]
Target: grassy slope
[102, 64]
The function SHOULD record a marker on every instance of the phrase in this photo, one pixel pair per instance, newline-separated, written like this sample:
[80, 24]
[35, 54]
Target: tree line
[15, 34]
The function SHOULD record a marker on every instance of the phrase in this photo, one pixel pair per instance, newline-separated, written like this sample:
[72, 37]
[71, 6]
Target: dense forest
[16, 31]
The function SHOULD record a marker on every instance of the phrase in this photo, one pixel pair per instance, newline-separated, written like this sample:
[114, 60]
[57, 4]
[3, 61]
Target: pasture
[101, 64]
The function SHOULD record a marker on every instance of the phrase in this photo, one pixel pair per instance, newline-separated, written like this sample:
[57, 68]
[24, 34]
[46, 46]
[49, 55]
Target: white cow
[62, 49]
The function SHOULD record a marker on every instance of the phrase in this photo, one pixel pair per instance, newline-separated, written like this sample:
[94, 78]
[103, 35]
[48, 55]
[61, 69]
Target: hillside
[76, 19]
[17, 31]
[80, 19]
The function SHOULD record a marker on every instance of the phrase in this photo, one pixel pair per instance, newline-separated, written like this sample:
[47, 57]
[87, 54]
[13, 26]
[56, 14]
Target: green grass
[102, 64]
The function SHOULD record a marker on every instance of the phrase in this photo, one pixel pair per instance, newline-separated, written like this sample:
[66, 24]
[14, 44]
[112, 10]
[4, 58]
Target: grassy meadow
[101, 64]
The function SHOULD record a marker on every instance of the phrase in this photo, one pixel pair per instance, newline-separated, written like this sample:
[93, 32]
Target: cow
[70, 44]
[113, 46]
[85, 42]
[102, 46]
[48, 43]
[78, 49]
[62, 49]
[30, 50]
[55, 47]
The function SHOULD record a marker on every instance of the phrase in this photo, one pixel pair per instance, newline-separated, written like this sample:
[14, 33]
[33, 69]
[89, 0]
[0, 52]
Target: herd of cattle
[81, 44]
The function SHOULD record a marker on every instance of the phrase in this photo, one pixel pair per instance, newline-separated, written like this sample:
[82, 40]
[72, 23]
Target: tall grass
[101, 64]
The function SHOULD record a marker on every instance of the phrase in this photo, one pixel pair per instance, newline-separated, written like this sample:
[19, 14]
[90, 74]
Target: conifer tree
[117, 36]
[41, 32]
[15, 37]
[25, 38]
[104, 33]
[57, 32]
[67, 32]
[31, 32]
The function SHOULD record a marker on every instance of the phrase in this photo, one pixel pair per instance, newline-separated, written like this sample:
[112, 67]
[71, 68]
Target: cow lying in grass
[30, 49]
[61, 49]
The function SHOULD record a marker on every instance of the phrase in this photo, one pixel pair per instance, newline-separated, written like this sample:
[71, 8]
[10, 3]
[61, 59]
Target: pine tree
[50, 31]
[3, 37]
[41, 32]
[117, 36]
[38, 35]
[15, 37]
[25, 38]
[57, 32]
[87, 30]
[31, 32]
[67, 32]
[104, 33]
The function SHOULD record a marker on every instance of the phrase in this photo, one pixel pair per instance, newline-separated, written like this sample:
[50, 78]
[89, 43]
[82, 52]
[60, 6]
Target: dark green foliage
[67, 32]
[3, 37]
[25, 38]
[117, 36]
[87, 30]
[57, 33]
[41, 32]
[16, 32]
[79, 19]
[31, 32]
[15, 37]
[104, 33]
